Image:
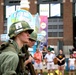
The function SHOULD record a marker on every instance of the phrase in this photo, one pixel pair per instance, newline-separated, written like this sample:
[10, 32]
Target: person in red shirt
[38, 61]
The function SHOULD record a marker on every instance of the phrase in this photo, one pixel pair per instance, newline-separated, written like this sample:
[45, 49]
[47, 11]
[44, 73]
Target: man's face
[24, 37]
[31, 43]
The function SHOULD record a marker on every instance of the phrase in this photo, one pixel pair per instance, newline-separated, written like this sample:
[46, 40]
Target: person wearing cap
[19, 33]
[32, 39]
[49, 61]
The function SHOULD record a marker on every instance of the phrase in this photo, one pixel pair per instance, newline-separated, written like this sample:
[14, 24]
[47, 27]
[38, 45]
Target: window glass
[55, 27]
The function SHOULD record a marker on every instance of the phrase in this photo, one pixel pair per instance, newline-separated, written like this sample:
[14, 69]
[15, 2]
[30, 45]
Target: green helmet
[33, 36]
[19, 27]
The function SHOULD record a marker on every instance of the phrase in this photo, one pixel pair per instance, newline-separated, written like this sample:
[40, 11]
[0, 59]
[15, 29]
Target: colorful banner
[43, 35]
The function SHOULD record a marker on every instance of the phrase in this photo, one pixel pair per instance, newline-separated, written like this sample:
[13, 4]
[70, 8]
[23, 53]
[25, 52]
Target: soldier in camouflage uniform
[32, 39]
[19, 33]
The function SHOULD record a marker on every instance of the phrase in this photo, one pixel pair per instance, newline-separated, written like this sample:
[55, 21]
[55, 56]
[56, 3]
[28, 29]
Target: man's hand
[29, 60]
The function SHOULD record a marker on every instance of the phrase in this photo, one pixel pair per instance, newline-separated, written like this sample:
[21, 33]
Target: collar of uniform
[16, 47]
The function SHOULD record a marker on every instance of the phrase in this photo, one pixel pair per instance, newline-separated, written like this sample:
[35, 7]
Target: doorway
[74, 32]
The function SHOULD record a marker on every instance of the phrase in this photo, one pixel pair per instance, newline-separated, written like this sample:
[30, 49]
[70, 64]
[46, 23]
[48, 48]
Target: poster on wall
[55, 10]
[44, 10]
[43, 35]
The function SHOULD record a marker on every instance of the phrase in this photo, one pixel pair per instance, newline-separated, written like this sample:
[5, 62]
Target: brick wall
[33, 7]
[67, 26]
[68, 23]
[1, 17]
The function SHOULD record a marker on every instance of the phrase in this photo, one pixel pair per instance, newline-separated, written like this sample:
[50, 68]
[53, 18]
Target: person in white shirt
[49, 61]
[71, 65]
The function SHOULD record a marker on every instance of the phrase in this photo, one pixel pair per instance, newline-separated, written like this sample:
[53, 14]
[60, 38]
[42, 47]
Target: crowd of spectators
[48, 56]
[50, 59]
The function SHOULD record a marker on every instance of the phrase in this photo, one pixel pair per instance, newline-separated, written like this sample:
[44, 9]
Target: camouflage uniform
[33, 38]
[9, 56]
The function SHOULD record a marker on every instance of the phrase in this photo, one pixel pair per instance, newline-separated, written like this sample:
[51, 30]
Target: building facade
[61, 30]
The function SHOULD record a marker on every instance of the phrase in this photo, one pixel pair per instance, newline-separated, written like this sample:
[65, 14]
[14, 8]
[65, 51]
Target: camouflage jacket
[9, 59]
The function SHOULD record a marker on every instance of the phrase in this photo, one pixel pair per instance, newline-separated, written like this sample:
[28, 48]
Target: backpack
[3, 46]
